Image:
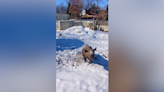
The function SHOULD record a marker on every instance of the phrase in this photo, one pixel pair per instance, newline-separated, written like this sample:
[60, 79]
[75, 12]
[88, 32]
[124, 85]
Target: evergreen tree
[68, 8]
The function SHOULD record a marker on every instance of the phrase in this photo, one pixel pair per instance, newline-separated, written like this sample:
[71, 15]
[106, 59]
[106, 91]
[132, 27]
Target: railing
[101, 22]
[96, 25]
[82, 19]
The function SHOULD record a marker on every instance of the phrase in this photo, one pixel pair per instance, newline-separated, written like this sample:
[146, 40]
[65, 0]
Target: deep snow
[72, 73]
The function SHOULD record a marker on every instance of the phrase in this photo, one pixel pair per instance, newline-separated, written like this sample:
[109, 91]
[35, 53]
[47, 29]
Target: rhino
[88, 53]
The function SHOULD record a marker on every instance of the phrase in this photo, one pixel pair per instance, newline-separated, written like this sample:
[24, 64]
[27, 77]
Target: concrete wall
[105, 28]
[62, 17]
[64, 24]
[57, 25]
[81, 23]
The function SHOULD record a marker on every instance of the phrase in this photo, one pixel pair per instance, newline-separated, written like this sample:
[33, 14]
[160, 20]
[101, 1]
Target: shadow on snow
[64, 44]
[101, 61]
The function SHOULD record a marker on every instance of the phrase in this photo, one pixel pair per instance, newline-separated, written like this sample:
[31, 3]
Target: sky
[58, 2]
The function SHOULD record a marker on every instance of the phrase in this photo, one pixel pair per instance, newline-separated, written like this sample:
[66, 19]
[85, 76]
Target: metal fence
[98, 22]
[98, 25]
[101, 22]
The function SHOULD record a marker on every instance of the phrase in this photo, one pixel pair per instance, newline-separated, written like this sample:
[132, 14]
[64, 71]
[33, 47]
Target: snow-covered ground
[72, 73]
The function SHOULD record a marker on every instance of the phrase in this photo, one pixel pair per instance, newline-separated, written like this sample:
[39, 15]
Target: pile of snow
[72, 73]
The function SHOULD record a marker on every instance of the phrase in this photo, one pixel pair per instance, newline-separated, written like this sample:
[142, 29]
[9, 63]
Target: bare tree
[98, 2]
[89, 3]
[76, 8]
[61, 9]
[101, 15]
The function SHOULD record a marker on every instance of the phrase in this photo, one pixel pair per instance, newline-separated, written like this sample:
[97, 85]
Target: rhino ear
[94, 49]
[86, 51]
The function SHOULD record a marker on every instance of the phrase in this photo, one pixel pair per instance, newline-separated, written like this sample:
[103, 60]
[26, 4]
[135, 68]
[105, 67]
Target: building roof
[86, 16]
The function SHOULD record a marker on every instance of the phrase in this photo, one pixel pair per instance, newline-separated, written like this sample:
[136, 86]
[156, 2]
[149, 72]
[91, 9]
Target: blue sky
[105, 2]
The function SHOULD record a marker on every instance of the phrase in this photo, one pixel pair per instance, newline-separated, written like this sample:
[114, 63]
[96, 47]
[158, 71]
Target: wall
[64, 24]
[62, 17]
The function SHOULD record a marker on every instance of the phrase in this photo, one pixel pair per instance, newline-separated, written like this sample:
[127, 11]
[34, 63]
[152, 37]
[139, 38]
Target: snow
[72, 73]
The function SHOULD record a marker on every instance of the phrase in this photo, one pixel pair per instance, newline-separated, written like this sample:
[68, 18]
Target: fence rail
[101, 22]
[99, 25]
